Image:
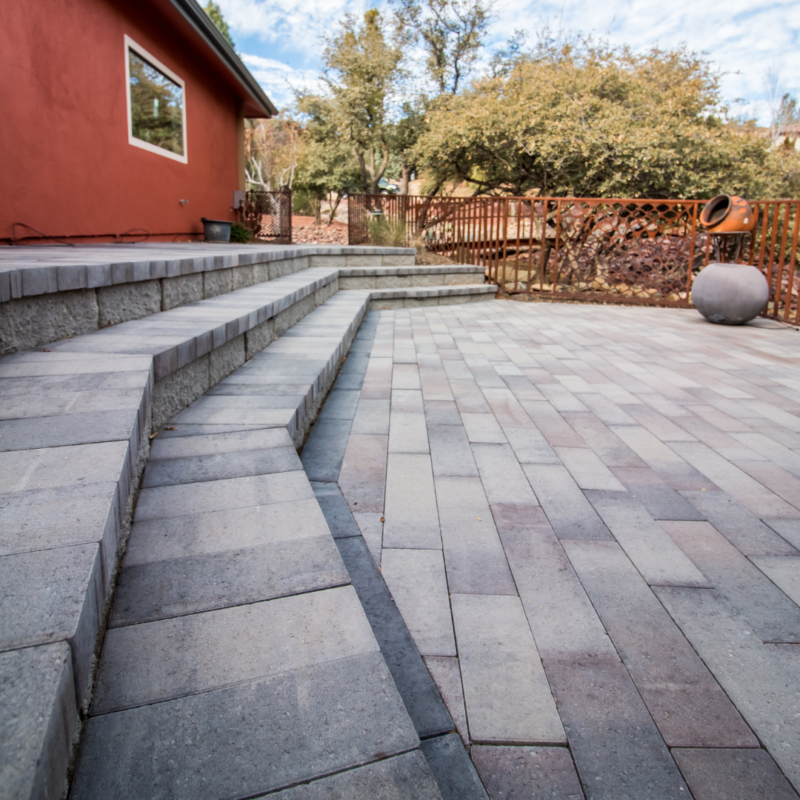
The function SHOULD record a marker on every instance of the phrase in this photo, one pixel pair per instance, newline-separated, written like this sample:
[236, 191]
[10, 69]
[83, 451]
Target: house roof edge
[194, 14]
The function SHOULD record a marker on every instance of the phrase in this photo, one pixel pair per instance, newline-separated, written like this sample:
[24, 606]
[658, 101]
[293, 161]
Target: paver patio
[589, 518]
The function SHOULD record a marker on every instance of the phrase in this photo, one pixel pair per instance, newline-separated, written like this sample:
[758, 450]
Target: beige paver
[506, 692]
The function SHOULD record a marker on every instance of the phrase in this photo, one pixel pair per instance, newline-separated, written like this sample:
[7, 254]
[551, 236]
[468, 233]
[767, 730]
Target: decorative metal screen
[268, 215]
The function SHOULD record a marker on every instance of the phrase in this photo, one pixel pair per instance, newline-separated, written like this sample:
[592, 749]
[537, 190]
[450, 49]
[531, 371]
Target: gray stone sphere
[730, 294]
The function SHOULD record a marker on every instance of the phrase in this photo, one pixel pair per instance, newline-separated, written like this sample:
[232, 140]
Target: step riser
[172, 379]
[46, 304]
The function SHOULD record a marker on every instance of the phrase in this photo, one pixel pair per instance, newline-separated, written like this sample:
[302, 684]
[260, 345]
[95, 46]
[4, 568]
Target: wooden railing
[594, 249]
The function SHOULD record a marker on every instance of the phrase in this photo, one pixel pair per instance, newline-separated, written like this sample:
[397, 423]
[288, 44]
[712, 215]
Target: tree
[326, 167]
[215, 12]
[593, 121]
[362, 70]
[271, 152]
[451, 33]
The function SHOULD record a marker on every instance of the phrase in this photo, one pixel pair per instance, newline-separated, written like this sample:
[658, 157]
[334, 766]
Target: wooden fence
[595, 249]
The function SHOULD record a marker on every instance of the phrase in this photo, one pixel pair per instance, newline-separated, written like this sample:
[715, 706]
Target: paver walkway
[589, 518]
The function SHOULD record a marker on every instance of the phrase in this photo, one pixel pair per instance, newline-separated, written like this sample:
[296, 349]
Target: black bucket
[216, 230]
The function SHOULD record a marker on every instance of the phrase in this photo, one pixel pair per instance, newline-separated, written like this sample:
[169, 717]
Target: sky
[281, 40]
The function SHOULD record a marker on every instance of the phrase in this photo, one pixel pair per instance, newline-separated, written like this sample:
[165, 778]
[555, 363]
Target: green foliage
[304, 202]
[240, 234]
[451, 32]
[214, 11]
[593, 121]
[362, 69]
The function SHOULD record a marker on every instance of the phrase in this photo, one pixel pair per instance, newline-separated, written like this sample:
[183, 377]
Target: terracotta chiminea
[729, 294]
[728, 214]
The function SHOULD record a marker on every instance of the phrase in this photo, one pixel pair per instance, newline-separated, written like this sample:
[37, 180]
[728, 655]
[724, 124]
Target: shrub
[387, 232]
[240, 234]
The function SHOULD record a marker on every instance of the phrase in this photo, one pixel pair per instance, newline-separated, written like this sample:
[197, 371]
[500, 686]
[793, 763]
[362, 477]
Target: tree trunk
[405, 175]
[334, 205]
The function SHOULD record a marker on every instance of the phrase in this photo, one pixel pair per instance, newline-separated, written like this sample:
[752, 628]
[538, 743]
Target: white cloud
[279, 80]
[742, 38]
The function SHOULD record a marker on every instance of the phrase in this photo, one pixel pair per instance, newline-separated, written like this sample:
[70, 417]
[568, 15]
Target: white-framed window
[156, 104]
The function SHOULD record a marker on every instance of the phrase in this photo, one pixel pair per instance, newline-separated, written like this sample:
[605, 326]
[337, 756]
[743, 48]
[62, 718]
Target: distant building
[119, 114]
[788, 136]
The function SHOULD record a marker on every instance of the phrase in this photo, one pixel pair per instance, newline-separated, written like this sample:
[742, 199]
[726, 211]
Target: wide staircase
[184, 614]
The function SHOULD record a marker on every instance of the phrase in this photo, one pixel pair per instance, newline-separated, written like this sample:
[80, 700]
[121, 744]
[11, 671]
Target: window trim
[152, 148]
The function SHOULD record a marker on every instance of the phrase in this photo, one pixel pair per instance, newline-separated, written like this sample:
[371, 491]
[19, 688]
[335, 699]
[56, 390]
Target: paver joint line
[569, 505]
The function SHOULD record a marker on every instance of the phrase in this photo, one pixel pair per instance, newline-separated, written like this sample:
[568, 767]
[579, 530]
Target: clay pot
[728, 214]
[730, 294]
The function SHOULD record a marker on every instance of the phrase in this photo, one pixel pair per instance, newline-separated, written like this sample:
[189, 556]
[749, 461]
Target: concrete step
[76, 421]
[382, 277]
[49, 293]
[234, 605]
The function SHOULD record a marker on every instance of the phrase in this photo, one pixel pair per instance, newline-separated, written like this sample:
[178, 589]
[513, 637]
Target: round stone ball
[730, 294]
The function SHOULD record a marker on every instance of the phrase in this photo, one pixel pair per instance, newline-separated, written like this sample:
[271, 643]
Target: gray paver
[450, 451]
[685, 701]
[661, 458]
[618, 751]
[453, 769]
[217, 443]
[67, 429]
[754, 678]
[789, 529]
[171, 658]
[732, 774]
[552, 424]
[611, 450]
[363, 474]
[473, 553]
[50, 596]
[514, 773]
[415, 524]
[371, 527]
[417, 581]
[38, 721]
[655, 555]
[219, 531]
[755, 497]
[569, 512]
[588, 470]
[339, 404]
[175, 587]
[338, 715]
[784, 572]
[196, 469]
[563, 621]
[745, 532]
[335, 510]
[413, 681]
[483, 428]
[173, 501]
[505, 689]
[324, 449]
[372, 416]
[441, 412]
[770, 614]
[502, 477]
[530, 447]
[660, 499]
[446, 674]
[404, 776]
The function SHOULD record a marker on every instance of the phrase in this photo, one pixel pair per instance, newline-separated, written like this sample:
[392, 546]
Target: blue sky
[280, 40]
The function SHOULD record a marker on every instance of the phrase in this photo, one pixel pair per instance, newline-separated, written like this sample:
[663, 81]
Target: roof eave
[205, 27]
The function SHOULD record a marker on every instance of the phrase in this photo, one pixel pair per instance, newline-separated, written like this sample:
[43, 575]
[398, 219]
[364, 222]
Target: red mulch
[306, 231]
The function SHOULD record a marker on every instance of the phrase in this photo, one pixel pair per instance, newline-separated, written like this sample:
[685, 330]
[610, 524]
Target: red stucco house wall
[67, 167]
